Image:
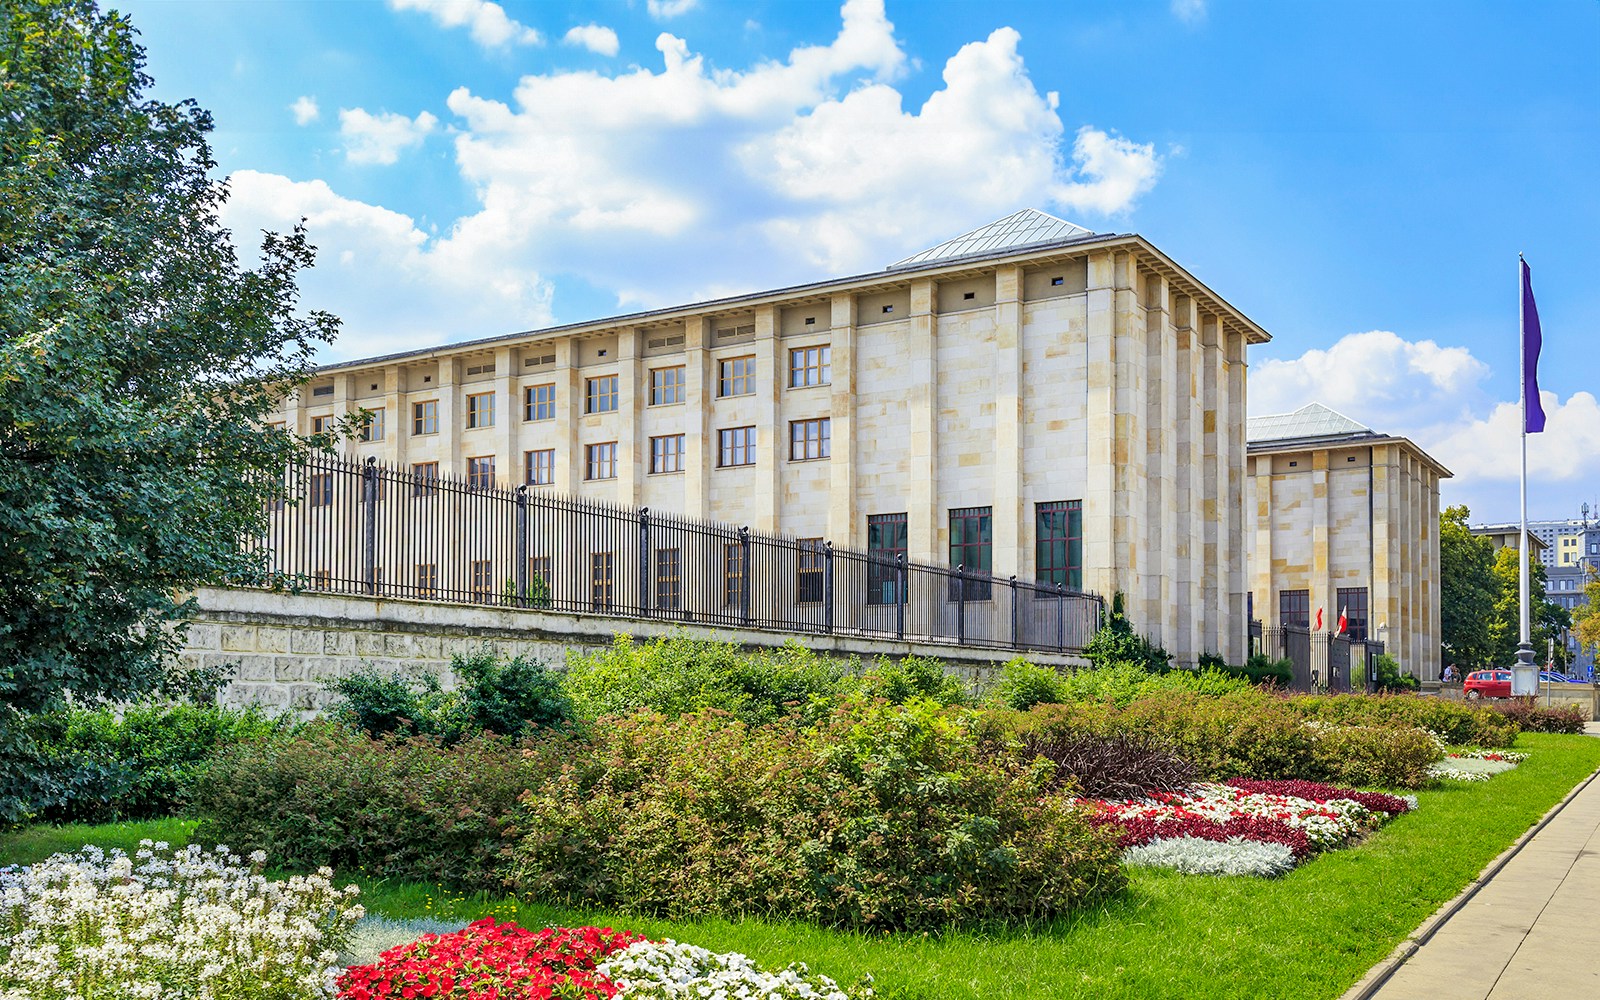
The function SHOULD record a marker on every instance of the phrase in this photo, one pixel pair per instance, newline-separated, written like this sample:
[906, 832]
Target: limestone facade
[1356, 512]
[1094, 370]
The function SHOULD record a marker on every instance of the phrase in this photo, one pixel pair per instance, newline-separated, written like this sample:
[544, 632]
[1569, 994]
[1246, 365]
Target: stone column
[1130, 534]
[1100, 567]
[1010, 536]
[1321, 593]
[922, 427]
[1164, 581]
[396, 418]
[1262, 557]
[699, 453]
[1188, 426]
[772, 434]
[568, 471]
[1214, 483]
[1230, 547]
[631, 393]
[843, 528]
[1384, 607]
[1434, 581]
[452, 415]
[507, 420]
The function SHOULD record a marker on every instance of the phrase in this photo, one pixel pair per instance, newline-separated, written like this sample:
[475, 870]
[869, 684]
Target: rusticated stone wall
[288, 647]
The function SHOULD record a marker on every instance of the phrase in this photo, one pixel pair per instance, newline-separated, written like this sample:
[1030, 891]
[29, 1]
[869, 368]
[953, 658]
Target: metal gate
[1297, 648]
[1339, 663]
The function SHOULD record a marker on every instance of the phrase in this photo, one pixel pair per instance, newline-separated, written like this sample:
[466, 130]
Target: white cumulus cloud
[305, 110]
[594, 37]
[488, 22]
[1189, 11]
[379, 138]
[662, 10]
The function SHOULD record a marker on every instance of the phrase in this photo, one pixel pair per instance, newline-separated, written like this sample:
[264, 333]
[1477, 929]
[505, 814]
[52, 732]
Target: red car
[1488, 684]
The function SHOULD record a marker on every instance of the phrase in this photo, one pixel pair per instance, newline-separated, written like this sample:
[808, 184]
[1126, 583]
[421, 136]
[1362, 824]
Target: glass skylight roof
[1312, 420]
[1025, 228]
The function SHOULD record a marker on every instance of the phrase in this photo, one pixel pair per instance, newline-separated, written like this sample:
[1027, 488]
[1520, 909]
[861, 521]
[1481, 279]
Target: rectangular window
[480, 472]
[425, 417]
[427, 577]
[321, 489]
[321, 580]
[541, 467]
[380, 494]
[539, 569]
[810, 439]
[1294, 608]
[669, 579]
[666, 453]
[808, 571]
[810, 366]
[736, 446]
[1058, 543]
[886, 542]
[733, 575]
[372, 425]
[1353, 604]
[480, 409]
[600, 394]
[422, 476]
[972, 548]
[601, 589]
[736, 376]
[600, 461]
[483, 588]
[321, 425]
[539, 402]
[666, 385]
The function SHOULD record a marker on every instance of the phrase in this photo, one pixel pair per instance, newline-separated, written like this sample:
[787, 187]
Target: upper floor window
[810, 366]
[736, 446]
[736, 376]
[666, 453]
[542, 467]
[422, 476]
[372, 425]
[425, 417]
[666, 385]
[480, 472]
[600, 461]
[600, 394]
[810, 439]
[540, 402]
[480, 409]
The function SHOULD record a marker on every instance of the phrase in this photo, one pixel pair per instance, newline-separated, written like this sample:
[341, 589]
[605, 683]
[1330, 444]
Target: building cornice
[1343, 441]
[898, 277]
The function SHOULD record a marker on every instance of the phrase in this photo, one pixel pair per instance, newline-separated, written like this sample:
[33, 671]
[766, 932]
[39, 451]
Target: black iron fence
[372, 530]
[1319, 661]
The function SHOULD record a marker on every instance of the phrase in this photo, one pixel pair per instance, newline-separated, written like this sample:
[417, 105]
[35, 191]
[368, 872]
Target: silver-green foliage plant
[373, 935]
[177, 925]
[1195, 856]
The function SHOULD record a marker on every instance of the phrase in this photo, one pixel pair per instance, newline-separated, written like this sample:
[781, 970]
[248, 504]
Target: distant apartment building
[1029, 398]
[1344, 519]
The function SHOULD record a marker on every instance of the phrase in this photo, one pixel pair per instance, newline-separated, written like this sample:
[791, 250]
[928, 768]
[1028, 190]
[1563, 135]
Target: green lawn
[1310, 934]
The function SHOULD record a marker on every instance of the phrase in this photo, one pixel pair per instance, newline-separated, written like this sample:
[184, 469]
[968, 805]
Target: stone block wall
[289, 647]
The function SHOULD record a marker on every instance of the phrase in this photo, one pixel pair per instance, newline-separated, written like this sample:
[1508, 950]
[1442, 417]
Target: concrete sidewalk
[1529, 933]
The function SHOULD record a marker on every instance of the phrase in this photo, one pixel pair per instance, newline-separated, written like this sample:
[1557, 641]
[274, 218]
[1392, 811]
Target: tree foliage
[1546, 618]
[138, 360]
[1467, 590]
[1586, 617]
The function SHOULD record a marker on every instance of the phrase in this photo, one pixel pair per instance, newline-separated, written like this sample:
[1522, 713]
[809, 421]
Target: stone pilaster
[568, 470]
[507, 420]
[842, 521]
[698, 453]
[1188, 427]
[1009, 534]
[1322, 595]
[1230, 546]
[1164, 583]
[1214, 481]
[924, 515]
[1129, 555]
[1100, 565]
[632, 394]
[772, 434]
[396, 418]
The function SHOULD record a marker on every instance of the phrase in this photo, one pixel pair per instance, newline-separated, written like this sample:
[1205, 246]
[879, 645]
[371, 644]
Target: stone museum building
[1343, 518]
[1029, 398]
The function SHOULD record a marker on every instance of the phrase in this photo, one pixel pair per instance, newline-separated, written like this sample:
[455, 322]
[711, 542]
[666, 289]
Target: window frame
[479, 475]
[729, 448]
[815, 366]
[736, 376]
[1284, 612]
[810, 570]
[423, 475]
[1046, 571]
[659, 456]
[802, 442]
[537, 405]
[602, 587]
[669, 585]
[590, 464]
[1349, 600]
[425, 579]
[974, 556]
[664, 393]
[881, 558]
[372, 425]
[424, 417]
[481, 588]
[480, 410]
[598, 397]
[532, 467]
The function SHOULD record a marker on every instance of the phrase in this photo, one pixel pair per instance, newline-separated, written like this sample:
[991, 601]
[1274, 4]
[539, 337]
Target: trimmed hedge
[1456, 723]
[1532, 717]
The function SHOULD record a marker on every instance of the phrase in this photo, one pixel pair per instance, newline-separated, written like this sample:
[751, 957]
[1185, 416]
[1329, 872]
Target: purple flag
[1532, 411]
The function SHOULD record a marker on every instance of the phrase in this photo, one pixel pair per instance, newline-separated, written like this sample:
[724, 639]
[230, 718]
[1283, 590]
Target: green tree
[138, 361]
[1586, 616]
[1546, 618]
[1467, 590]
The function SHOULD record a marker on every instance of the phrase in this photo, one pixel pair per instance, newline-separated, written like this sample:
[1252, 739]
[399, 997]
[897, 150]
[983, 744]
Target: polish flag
[1344, 620]
[1318, 626]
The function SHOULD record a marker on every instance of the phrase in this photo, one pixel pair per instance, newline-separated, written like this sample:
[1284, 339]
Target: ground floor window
[972, 548]
[1294, 608]
[886, 541]
[1058, 543]
[1353, 605]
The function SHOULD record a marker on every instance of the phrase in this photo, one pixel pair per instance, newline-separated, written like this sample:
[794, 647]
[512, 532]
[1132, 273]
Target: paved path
[1532, 932]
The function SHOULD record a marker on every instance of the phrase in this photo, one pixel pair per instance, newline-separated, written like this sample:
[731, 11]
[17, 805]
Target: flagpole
[1525, 637]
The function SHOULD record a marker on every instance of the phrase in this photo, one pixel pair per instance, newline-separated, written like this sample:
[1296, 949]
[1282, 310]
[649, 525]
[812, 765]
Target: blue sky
[1358, 177]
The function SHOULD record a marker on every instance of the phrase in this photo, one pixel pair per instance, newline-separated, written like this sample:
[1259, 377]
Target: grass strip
[1309, 934]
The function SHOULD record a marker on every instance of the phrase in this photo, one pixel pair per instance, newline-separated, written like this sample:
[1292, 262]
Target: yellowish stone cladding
[1359, 511]
[1095, 370]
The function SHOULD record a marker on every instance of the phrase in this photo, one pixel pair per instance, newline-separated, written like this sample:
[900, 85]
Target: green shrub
[137, 762]
[1374, 756]
[1388, 676]
[1117, 642]
[507, 698]
[1532, 717]
[682, 674]
[880, 816]
[1023, 685]
[1456, 723]
[1263, 669]
[907, 678]
[1124, 683]
[401, 807]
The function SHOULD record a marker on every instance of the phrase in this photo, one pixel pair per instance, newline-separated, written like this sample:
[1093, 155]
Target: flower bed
[1476, 765]
[183, 925]
[1221, 828]
[506, 962]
